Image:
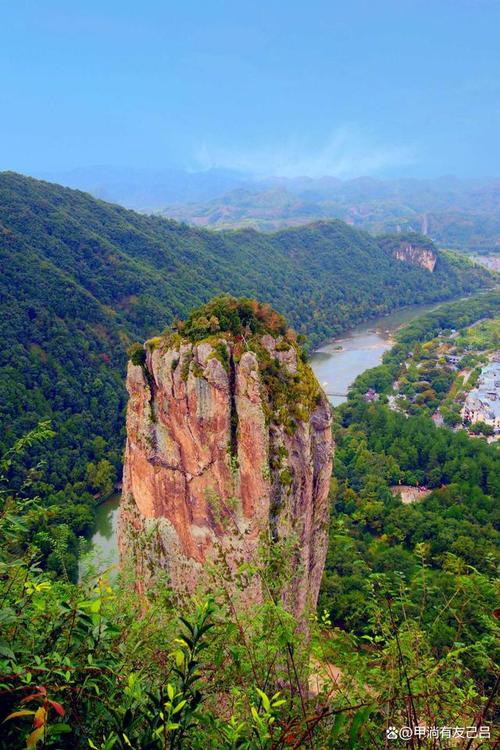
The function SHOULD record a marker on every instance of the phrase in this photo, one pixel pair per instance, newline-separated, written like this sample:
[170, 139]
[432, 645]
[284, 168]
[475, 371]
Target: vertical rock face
[417, 256]
[228, 445]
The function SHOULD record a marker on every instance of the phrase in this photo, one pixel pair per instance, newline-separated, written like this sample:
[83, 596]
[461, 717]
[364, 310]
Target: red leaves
[57, 707]
[40, 716]
[42, 693]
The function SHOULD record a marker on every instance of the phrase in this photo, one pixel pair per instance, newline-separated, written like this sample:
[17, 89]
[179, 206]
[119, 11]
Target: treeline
[453, 315]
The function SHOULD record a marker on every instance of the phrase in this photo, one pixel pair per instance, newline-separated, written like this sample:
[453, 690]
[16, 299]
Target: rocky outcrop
[229, 448]
[417, 256]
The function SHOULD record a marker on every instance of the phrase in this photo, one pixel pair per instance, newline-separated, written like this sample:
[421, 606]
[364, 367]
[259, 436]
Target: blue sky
[385, 87]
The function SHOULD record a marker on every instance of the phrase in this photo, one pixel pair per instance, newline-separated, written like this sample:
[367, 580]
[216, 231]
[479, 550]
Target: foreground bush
[94, 665]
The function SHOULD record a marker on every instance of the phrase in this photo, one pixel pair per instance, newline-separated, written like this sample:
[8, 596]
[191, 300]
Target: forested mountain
[462, 214]
[458, 214]
[82, 279]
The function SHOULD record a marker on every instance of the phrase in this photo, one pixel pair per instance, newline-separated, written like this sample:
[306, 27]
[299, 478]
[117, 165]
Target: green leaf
[339, 722]
[356, 727]
[179, 657]
[179, 707]
[6, 651]
[61, 729]
[265, 700]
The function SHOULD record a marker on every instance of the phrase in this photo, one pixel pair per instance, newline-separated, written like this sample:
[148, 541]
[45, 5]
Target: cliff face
[228, 444]
[418, 256]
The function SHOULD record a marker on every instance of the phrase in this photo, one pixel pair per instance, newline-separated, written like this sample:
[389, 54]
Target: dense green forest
[453, 531]
[440, 550]
[406, 632]
[82, 279]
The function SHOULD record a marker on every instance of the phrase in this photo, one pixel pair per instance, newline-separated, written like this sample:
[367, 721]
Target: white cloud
[348, 152]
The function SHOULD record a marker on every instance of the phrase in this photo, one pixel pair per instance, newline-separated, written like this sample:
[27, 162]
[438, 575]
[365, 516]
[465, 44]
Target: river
[339, 363]
[336, 366]
[103, 552]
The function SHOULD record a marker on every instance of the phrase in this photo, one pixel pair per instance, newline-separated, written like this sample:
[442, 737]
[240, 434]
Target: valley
[394, 478]
[361, 348]
[336, 365]
[226, 399]
[83, 280]
[249, 375]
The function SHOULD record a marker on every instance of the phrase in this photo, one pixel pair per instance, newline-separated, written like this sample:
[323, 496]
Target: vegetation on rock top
[289, 396]
[228, 315]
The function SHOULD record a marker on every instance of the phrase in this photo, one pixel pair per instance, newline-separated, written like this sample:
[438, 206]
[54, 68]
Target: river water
[336, 366]
[339, 363]
[104, 548]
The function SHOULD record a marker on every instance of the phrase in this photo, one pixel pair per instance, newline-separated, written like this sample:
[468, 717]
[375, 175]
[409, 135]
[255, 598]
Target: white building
[483, 402]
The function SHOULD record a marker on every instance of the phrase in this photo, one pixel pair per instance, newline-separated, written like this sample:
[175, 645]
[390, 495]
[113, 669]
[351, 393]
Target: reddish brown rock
[228, 444]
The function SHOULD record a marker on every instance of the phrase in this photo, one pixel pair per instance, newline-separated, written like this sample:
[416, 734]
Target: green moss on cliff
[197, 370]
[291, 397]
[186, 364]
[221, 353]
[154, 343]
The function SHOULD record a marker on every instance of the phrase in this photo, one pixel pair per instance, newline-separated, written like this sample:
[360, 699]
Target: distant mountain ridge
[463, 215]
[149, 189]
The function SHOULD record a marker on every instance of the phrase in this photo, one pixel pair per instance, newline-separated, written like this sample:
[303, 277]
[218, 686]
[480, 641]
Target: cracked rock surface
[208, 470]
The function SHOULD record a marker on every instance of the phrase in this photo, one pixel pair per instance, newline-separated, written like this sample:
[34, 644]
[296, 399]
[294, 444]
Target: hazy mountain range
[149, 189]
[459, 214]
[462, 214]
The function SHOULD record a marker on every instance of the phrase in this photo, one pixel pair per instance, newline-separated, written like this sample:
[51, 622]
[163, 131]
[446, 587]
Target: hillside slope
[82, 279]
[461, 215]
